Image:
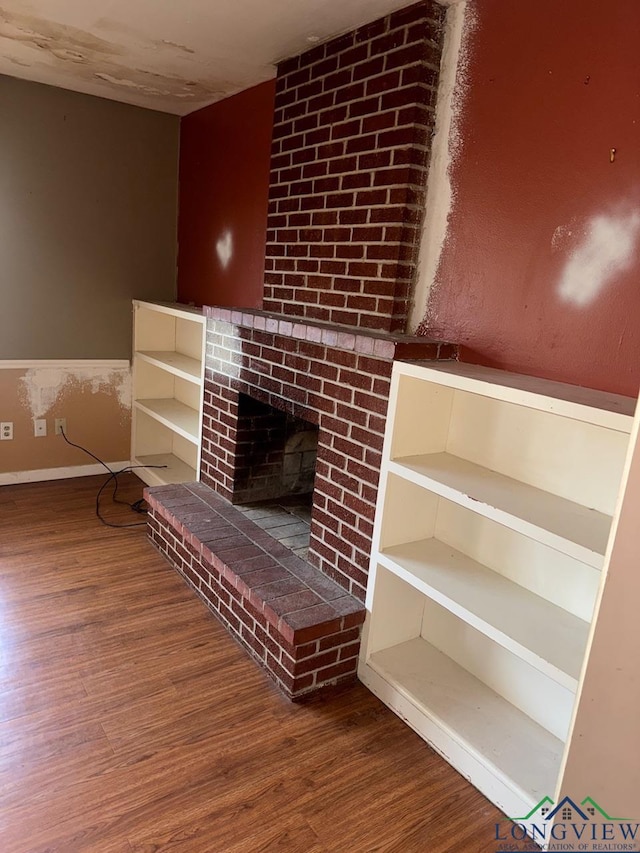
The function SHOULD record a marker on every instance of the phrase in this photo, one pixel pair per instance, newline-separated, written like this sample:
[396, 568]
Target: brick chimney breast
[353, 124]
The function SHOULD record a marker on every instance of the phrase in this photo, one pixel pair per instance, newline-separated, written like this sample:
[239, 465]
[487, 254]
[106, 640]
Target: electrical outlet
[60, 426]
[40, 427]
[6, 431]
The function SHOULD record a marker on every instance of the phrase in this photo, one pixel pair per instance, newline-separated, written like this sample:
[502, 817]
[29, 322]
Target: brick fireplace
[308, 377]
[326, 375]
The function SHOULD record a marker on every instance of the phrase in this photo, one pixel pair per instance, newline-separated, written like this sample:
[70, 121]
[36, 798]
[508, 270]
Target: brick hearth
[299, 625]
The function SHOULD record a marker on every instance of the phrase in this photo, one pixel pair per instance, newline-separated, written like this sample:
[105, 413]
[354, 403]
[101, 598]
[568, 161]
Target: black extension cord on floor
[137, 506]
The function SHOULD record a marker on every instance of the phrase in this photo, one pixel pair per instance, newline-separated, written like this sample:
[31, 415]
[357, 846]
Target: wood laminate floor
[131, 722]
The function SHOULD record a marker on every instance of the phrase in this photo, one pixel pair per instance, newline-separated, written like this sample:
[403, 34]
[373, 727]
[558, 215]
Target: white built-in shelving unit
[495, 507]
[168, 384]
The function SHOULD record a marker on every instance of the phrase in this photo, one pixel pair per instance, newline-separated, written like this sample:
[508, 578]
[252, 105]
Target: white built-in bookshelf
[168, 384]
[495, 507]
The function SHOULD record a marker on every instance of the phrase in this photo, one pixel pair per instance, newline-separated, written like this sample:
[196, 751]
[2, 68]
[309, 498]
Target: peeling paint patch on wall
[42, 386]
[608, 247]
[92, 396]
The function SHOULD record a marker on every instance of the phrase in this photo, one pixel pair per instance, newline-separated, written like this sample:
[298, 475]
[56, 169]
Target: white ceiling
[169, 55]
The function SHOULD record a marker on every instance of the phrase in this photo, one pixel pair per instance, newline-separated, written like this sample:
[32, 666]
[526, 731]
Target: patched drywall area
[606, 247]
[533, 257]
[461, 22]
[42, 387]
[94, 399]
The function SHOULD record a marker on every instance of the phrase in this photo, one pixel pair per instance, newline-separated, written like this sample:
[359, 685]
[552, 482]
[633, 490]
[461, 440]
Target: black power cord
[136, 506]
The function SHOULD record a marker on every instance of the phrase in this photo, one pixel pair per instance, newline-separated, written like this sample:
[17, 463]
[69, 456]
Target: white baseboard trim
[41, 474]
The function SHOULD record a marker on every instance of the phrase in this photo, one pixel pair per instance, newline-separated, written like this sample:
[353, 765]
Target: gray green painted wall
[88, 209]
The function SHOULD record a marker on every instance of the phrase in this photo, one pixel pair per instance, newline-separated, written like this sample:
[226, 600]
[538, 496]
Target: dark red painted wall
[540, 213]
[224, 186]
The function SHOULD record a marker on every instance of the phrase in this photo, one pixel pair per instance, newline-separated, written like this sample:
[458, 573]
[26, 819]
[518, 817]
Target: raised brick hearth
[299, 625]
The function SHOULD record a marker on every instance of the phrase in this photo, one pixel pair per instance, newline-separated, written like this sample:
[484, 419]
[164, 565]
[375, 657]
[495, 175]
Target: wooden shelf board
[560, 523]
[173, 362]
[546, 636]
[584, 404]
[175, 309]
[176, 471]
[499, 736]
[173, 414]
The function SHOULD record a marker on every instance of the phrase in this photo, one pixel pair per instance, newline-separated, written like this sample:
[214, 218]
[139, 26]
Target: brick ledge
[387, 345]
[300, 625]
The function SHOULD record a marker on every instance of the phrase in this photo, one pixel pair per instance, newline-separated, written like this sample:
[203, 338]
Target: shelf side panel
[153, 330]
[398, 612]
[188, 393]
[409, 512]
[189, 335]
[421, 421]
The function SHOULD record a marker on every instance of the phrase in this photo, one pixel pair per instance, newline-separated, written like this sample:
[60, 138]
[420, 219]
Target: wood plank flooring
[130, 722]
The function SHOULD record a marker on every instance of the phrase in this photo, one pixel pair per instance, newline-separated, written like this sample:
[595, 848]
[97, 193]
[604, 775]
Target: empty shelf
[174, 362]
[562, 524]
[174, 415]
[174, 470]
[500, 737]
[546, 636]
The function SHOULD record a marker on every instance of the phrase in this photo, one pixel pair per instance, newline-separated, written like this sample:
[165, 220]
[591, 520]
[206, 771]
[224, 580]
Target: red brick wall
[329, 376]
[352, 130]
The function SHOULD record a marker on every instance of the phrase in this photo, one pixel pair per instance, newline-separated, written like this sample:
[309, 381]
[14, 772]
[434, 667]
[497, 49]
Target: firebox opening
[275, 471]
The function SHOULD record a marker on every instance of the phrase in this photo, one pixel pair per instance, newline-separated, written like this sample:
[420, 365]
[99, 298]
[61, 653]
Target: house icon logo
[567, 809]
[568, 825]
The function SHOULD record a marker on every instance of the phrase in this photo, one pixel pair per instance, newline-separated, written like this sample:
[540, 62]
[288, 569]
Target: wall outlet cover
[6, 431]
[40, 427]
